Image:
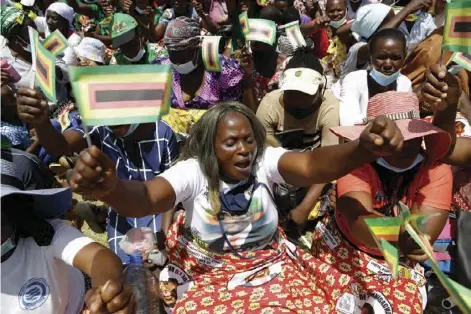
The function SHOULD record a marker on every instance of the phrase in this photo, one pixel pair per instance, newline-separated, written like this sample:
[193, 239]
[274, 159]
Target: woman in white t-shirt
[228, 252]
[387, 55]
[42, 257]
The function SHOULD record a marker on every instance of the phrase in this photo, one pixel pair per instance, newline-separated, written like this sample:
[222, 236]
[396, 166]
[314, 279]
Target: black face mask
[298, 113]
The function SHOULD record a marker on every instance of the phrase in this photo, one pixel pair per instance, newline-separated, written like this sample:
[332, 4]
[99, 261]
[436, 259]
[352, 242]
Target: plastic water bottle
[143, 284]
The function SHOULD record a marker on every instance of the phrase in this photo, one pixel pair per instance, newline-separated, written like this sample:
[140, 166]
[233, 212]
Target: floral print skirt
[277, 279]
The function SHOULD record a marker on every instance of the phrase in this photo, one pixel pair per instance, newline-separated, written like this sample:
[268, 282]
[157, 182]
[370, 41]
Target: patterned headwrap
[182, 33]
[10, 18]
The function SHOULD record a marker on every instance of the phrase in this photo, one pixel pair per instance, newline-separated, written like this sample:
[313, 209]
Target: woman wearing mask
[140, 151]
[194, 88]
[414, 177]
[388, 52]
[220, 250]
[17, 51]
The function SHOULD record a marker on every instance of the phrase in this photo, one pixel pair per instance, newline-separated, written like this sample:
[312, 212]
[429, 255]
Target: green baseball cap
[122, 29]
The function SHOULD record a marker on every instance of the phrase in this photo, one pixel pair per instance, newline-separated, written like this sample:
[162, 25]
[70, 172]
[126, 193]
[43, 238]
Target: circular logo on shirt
[33, 294]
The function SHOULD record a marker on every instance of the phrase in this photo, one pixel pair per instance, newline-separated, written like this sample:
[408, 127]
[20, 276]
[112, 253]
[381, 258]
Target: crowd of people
[260, 177]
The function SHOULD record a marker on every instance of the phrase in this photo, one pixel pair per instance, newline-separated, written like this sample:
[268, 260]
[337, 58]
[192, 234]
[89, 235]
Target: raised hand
[112, 297]
[94, 174]
[382, 137]
[441, 88]
[32, 106]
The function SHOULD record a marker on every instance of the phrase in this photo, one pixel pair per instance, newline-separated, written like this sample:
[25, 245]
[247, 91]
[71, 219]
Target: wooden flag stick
[87, 136]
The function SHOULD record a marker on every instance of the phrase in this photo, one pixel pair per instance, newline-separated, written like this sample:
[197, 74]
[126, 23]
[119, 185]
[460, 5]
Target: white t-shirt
[421, 29]
[41, 279]
[249, 231]
[354, 96]
[350, 64]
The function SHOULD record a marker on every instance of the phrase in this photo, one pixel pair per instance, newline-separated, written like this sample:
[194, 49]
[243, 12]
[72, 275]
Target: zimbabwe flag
[457, 31]
[391, 256]
[210, 53]
[44, 66]
[55, 42]
[386, 228]
[295, 37]
[111, 95]
[261, 30]
[244, 22]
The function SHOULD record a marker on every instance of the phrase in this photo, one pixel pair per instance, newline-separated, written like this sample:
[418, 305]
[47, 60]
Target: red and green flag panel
[457, 31]
[55, 42]
[462, 59]
[44, 65]
[261, 30]
[210, 53]
[122, 94]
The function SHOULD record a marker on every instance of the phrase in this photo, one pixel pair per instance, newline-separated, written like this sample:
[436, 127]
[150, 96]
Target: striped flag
[55, 42]
[459, 294]
[261, 30]
[462, 59]
[244, 22]
[44, 65]
[384, 228]
[122, 94]
[210, 53]
[457, 31]
[295, 37]
[391, 256]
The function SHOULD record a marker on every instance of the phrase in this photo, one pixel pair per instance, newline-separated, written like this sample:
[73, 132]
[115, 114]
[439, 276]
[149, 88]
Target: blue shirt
[141, 161]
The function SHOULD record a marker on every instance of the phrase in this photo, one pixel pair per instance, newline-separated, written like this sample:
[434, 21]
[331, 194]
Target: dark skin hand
[443, 91]
[412, 7]
[95, 175]
[249, 96]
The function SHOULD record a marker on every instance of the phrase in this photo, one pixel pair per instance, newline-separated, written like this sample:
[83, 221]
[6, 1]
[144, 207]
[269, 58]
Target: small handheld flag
[295, 37]
[44, 66]
[262, 30]
[210, 53]
[122, 94]
[244, 23]
[457, 31]
[462, 59]
[55, 42]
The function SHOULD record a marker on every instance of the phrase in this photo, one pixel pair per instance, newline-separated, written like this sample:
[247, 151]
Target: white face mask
[185, 68]
[383, 163]
[138, 57]
[383, 79]
[337, 24]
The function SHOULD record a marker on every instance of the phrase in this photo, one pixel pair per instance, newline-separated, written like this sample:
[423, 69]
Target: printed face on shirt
[55, 21]
[407, 155]
[336, 9]
[168, 292]
[235, 147]
[388, 55]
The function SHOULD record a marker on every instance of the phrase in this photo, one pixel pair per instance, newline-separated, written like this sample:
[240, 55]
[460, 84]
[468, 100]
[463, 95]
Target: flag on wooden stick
[122, 94]
[55, 42]
[210, 53]
[44, 66]
[295, 37]
[457, 31]
[261, 30]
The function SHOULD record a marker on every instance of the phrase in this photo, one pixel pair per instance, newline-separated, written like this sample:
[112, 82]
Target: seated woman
[43, 256]
[388, 52]
[412, 176]
[227, 251]
[17, 51]
[194, 88]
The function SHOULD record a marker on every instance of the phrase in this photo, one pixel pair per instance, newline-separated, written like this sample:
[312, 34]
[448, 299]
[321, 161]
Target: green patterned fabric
[10, 18]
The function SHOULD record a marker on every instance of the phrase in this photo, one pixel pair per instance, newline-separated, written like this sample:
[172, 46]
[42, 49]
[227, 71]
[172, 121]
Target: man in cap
[132, 48]
[42, 256]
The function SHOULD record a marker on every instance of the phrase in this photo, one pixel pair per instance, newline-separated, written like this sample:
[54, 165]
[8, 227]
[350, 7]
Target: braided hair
[304, 57]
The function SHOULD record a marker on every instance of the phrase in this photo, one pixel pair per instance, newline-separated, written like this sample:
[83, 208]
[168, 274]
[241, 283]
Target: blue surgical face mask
[337, 24]
[185, 68]
[8, 245]
[383, 79]
[383, 163]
